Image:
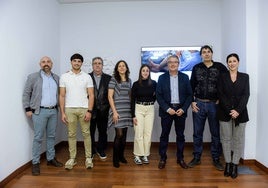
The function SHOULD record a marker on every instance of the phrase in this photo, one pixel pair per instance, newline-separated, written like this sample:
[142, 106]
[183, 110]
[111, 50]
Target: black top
[101, 101]
[142, 93]
[204, 80]
[233, 95]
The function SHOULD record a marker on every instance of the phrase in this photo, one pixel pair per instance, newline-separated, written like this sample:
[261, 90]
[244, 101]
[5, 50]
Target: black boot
[234, 173]
[228, 169]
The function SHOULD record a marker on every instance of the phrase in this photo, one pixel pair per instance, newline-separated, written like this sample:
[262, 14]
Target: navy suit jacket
[163, 93]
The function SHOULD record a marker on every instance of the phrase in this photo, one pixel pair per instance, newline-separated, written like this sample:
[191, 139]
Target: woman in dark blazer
[233, 89]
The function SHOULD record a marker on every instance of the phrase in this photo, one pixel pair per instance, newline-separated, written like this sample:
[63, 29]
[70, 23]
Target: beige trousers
[75, 115]
[143, 130]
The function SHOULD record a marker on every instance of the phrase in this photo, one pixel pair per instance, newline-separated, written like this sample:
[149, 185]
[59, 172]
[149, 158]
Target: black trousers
[166, 124]
[100, 122]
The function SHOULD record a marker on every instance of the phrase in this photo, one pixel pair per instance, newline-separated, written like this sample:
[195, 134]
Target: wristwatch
[90, 111]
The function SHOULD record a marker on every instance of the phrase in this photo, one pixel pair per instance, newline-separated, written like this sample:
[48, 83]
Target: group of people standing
[98, 101]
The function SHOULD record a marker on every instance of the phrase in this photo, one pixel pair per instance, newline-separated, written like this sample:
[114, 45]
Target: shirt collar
[44, 74]
[72, 73]
[174, 76]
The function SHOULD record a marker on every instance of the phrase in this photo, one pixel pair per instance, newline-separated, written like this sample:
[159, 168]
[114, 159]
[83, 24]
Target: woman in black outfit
[233, 89]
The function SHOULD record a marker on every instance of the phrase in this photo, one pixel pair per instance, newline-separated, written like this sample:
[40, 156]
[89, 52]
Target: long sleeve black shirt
[142, 93]
[204, 80]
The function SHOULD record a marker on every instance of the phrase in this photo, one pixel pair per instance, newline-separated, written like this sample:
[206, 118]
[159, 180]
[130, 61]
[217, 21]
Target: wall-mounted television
[156, 58]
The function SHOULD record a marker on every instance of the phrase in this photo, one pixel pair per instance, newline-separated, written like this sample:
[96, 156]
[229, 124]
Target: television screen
[156, 58]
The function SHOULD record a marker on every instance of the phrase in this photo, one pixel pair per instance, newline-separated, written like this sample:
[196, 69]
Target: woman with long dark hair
[120, 109]
[142, 108]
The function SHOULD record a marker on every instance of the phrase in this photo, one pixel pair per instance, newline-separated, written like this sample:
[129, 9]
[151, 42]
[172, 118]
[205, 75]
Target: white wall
[118, 30]
[29, 29]
[262, 90]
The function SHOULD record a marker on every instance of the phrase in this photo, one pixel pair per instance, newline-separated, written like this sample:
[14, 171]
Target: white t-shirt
[76, 88]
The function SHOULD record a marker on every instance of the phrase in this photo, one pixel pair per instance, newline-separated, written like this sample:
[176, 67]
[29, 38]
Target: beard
[46, 68]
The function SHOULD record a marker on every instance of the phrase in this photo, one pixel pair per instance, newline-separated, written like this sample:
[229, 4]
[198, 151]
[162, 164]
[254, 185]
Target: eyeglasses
[97, 63]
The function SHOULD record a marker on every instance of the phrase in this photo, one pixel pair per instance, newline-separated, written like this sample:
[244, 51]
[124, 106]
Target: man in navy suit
[174, 96]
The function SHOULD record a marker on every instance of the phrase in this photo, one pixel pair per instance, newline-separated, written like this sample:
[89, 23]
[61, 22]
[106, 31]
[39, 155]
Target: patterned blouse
[122, 104]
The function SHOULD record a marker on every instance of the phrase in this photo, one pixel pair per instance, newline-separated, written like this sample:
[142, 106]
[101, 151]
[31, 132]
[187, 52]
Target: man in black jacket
[204, 80]
[101, 107]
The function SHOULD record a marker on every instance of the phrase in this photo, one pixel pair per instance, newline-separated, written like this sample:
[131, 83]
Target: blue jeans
[166, 123]
[46, 120]
[207, 110]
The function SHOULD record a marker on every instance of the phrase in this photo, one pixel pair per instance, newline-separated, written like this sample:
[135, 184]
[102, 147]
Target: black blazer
[163, 93]
[101, 95]
[233, 95]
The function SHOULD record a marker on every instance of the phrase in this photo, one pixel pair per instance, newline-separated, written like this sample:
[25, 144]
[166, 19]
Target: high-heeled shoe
[116, 164]
[234, 173]
[228, 169]
[122, 160]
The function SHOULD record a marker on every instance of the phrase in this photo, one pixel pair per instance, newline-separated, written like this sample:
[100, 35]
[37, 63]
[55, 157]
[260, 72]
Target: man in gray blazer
[40, 101]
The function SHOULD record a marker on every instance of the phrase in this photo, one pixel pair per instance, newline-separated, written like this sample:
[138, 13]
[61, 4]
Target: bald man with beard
[40, 101]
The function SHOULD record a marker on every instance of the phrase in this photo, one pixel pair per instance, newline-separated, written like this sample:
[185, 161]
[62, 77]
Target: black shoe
[182, 164]
[55, 163]
[102, 155]
[116, 164]
[227, 170]
[194, 162]
[36, 169]
[218, 165]
[161, 164]
[123, 160]
[234, 173]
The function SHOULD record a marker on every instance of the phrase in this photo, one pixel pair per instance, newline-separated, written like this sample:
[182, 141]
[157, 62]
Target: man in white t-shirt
[76, 103]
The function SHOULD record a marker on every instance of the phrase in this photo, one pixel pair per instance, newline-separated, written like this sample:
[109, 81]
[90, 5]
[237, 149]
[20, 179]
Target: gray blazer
[32, 94]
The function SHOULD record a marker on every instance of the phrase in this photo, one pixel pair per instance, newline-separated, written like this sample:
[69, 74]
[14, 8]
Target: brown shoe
[161, 164]
[36, 169]
[55, 163]
[182, 164]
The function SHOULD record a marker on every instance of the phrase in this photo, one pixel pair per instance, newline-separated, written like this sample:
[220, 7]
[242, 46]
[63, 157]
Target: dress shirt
[49, 90]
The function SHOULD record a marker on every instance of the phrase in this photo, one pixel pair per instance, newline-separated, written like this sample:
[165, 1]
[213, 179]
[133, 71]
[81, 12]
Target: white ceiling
[91, 1]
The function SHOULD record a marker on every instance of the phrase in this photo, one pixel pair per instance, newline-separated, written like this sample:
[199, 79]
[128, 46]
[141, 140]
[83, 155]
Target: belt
[48, 107]
[145, 103]
[205, 100]
[175, 105]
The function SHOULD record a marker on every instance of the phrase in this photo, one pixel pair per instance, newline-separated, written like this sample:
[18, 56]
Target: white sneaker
[137, 160]
[145, 160]
[70, 164]
[89, 163]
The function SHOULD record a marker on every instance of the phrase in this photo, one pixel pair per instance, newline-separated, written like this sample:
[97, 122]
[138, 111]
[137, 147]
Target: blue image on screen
[156, 58]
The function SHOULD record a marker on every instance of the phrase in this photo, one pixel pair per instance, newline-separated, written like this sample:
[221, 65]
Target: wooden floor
[130, 175]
